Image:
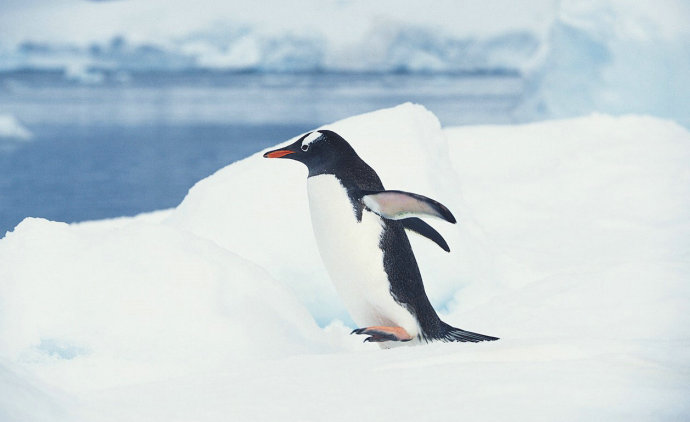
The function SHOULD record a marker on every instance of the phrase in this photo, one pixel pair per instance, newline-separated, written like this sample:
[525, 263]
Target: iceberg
[571, 245]
[575, 57]
[609, 57]
[12, 129]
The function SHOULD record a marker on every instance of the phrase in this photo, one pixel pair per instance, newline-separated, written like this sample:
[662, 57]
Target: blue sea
[132, 143]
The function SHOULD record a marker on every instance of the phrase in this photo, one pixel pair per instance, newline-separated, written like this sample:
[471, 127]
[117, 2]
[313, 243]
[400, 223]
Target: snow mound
[571, 245]
[90, 307]
[11, 128]
[278, 236]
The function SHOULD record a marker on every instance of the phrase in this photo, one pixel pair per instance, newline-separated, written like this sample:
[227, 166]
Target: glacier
[576, 57]
[571, 245]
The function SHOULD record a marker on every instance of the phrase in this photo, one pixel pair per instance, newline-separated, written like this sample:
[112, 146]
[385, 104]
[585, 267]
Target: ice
[576, 57]
[12, 129]
[571, 245]
[537, 382]
[395, 48]
[614, 57]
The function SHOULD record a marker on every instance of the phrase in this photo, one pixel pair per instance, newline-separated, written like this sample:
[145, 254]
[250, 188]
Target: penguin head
[321, 151]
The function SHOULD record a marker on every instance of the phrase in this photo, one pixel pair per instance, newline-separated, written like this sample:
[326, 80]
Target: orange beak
[278, 153]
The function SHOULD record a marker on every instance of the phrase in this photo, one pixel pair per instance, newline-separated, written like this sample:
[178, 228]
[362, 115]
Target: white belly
[350, 251]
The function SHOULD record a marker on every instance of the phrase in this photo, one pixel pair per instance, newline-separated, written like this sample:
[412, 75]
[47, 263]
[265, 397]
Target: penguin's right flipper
[420, 227]
[397, 205]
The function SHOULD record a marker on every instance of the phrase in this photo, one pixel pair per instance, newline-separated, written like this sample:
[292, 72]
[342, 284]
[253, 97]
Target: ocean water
[121, 144]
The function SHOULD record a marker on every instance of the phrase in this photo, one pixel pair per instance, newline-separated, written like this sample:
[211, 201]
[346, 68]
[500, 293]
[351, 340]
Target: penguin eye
[305, 148]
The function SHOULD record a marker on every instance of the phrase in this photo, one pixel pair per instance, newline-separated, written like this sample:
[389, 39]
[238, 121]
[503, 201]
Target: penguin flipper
[420, 227]
[397, 205]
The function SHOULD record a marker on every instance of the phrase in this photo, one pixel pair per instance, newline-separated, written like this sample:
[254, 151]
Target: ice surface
[598, 204]
[93, 306]
[571, 245]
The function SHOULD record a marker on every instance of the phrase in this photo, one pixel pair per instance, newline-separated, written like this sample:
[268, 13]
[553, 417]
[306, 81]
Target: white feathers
[350, 251]
[311, 137]
[396, 205]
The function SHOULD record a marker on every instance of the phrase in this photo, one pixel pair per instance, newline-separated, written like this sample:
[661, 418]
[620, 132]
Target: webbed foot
[379, 334]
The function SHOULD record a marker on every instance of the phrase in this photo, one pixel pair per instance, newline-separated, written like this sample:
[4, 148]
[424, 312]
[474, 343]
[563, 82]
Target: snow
[12, 129]
[576, 56]
[596, 203]
[571, 245]
[107, 307]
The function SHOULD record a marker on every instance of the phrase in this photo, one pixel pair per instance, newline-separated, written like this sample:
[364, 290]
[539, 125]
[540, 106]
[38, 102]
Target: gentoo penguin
[360, 231]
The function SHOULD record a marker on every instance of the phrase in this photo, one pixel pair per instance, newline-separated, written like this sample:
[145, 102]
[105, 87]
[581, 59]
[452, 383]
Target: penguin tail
[450, 333]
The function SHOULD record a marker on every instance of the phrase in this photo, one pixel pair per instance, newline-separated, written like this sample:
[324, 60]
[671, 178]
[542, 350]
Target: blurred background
[113, 108]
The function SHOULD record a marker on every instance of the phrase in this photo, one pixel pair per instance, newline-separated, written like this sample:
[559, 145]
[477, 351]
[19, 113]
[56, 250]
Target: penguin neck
[352, 172]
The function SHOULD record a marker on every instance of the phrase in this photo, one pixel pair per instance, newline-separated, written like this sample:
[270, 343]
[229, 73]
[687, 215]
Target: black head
[322, 151]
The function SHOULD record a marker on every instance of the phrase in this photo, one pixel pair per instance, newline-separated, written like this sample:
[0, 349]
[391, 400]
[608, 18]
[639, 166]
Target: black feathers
[420, 227]
[450, 333]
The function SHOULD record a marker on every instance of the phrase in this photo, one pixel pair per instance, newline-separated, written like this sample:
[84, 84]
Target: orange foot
[379, 334]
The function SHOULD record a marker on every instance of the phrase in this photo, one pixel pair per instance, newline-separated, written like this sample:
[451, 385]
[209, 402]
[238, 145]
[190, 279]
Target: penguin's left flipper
[379, 334]
[418, 226]
[397, 205]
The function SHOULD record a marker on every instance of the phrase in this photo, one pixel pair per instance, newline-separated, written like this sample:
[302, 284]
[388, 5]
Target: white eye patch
[312, 137]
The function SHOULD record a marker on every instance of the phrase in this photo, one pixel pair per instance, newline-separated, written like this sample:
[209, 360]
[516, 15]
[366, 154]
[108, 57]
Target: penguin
[360, 232]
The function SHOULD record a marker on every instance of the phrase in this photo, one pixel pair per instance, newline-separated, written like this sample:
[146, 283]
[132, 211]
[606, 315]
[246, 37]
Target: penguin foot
[379, 334]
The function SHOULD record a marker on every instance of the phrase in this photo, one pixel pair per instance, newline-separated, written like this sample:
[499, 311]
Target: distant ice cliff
[577, 57]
